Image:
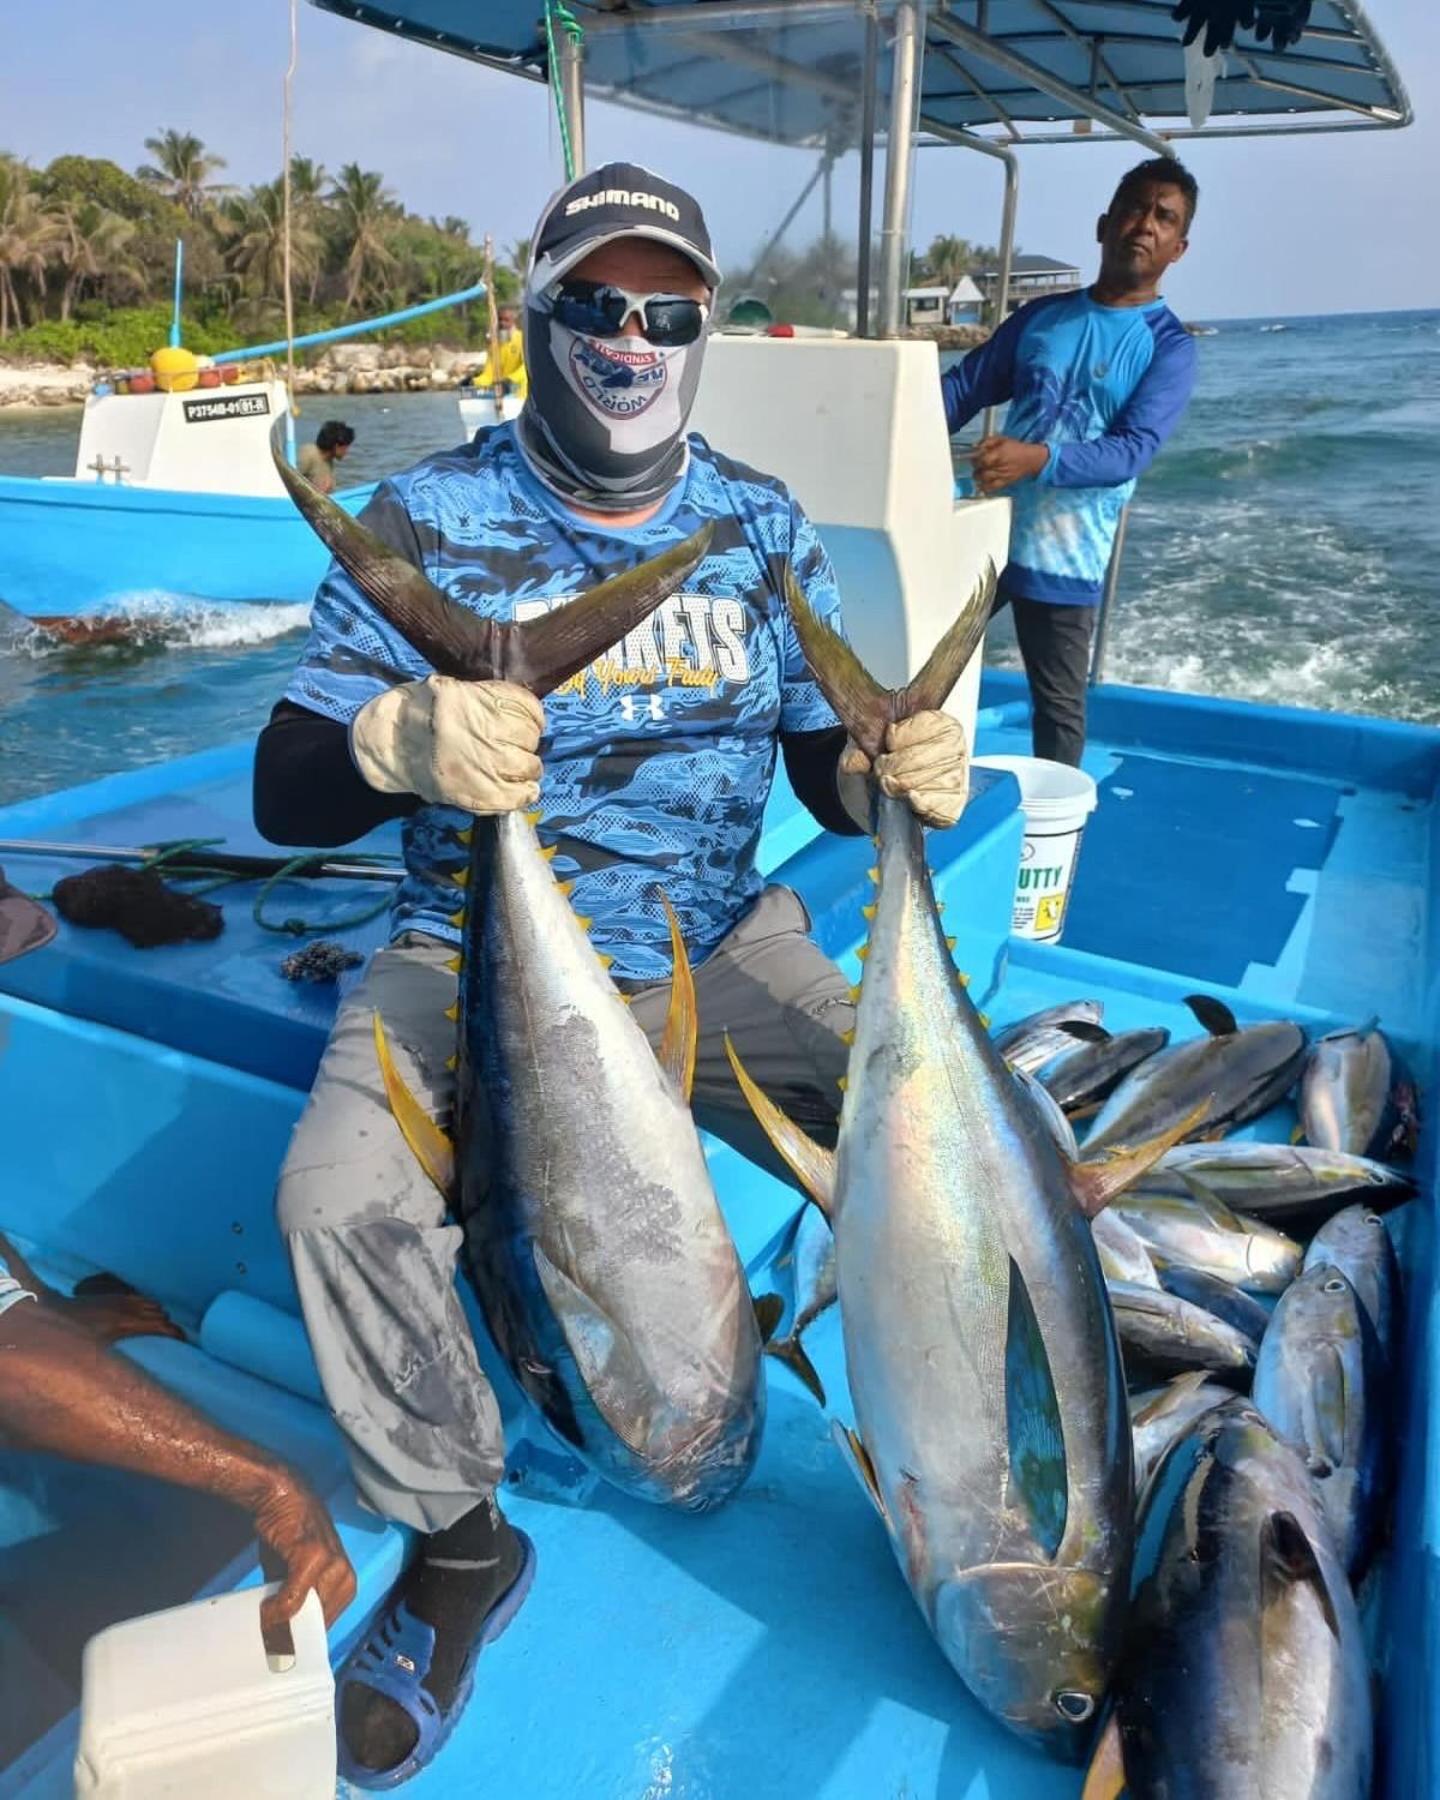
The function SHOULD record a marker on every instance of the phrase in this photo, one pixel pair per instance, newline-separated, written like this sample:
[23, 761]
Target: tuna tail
[540, 654]
[791, 1352]
[866, 709]
[1095, 1184]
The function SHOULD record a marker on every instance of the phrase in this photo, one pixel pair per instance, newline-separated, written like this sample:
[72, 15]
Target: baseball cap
[619, 200]
[24, 925]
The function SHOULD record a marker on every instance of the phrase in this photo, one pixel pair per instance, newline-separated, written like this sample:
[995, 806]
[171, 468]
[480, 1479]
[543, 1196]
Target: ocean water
[1285, 547]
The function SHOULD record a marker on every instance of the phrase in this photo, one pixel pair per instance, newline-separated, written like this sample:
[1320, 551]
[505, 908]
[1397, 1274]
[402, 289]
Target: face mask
[605, 421]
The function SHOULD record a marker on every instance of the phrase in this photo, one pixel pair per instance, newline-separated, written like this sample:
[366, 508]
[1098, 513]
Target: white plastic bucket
[1057, 801]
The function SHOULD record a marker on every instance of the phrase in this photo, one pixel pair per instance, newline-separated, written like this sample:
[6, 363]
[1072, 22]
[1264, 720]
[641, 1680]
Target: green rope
[557, 10]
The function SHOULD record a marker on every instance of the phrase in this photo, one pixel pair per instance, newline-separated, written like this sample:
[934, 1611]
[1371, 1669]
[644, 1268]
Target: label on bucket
[1042, 886]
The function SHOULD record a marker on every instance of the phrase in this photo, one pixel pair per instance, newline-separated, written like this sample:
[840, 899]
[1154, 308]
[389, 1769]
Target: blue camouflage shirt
[658, 758]
[12, 1289]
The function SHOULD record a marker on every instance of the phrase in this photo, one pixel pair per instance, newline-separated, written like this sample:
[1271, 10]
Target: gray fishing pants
[375, 1247]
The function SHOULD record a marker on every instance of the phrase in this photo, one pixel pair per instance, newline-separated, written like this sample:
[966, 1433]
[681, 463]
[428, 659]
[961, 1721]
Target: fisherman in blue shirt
[1096, 383]
[651, 768]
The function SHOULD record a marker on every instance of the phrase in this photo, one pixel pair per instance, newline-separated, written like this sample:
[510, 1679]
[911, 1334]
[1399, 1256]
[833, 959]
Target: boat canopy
[1021, 71]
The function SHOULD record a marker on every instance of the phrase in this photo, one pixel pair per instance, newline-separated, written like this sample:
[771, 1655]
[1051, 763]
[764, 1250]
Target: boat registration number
[226, 406]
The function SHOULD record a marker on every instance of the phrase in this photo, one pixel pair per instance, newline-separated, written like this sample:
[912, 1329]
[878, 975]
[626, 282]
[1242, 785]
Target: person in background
[316, 462]
[655, 763]
[509, 371]
[1096, 382]
[64, 1390]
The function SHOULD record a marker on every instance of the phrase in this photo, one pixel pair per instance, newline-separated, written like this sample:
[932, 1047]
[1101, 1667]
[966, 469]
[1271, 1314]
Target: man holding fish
[650, 765]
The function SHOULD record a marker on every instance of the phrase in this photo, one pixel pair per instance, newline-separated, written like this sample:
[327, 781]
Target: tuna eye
[1374, 1219]
[1335, 1285]
[1320, 1468]
[1073, 1706]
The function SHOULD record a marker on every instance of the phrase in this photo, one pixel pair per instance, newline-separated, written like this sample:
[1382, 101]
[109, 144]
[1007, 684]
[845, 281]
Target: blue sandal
[394, 1658]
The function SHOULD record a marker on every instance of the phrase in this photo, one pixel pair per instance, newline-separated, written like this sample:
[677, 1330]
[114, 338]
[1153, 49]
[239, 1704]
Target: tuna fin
[810, 1163]
[791, 1352]
[864, 707]
[858, 1458]
[1038, 1484]
[682, 1021]
[1084, 1030]
[1184, 1383]
[433, 1150]
[769, 1310]
[539, 654]
[1297, 1133]
[1287, 1555]
[1105, 1777]
[1213, 1014]
[608, 1367]
[1095, 1184]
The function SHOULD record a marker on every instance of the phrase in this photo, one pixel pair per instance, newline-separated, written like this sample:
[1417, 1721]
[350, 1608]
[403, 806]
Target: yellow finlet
[534, 818]
[452, 1013]
[455, 964]
[549, 852]
[874, 875]
[962, 978]
[855, 995]
[682, 1018]
[452, 1063]
[433, 1150]
[811, 1164]
[950, 943]
[464, 837]
[867, 912]
[458, 918]
[605, 959]
[848, 1037]
[984, 1019]
[566, 888]
[461, 878]
[583, 922]
[843, 1083]
[863, 952]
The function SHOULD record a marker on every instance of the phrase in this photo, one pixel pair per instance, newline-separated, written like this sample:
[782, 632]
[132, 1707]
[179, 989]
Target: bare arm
[63, 1392]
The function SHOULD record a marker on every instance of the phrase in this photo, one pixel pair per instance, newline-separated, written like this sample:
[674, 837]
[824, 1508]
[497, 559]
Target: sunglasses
[599, 309]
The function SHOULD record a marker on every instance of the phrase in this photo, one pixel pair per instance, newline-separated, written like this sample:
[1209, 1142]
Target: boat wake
[154, 619]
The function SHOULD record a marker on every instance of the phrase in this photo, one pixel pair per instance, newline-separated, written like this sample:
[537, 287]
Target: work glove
[926, 763]
[1218, 19]
[1282, 20]
[470, 744]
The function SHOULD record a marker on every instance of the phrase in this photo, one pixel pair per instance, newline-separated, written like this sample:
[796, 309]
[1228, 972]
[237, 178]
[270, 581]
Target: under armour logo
[654, 708]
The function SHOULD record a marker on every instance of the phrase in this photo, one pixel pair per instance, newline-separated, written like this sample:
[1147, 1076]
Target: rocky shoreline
[342, 369]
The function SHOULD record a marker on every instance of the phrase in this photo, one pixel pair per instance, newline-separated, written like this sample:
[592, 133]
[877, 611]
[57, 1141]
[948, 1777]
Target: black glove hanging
[1218, 19]
[1281, 20]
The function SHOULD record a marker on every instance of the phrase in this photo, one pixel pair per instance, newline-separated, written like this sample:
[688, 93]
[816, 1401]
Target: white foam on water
[177, 621]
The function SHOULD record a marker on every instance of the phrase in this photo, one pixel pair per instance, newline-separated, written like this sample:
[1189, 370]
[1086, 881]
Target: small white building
[1031, 277]
[966, 303]
[926, 305]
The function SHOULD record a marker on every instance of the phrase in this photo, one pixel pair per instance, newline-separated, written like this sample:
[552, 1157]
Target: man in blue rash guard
[652, 769]
[1096, 383]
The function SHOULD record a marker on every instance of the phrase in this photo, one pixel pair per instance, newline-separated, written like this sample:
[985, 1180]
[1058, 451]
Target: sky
[1284, 227]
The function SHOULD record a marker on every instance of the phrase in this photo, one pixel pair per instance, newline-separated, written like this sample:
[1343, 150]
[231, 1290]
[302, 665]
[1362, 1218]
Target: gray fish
[1320, 1383]
[1239, 1073]
[1052, 1117]
[1353, 1097]
[1033, 1041]
[1162, 1335]
[604, 1265]
[1159, 1416]
[1357, 1243]
[1081, 1078]
[1123, 1256]
[805, 1268]
[983, 1365]
[1289, 1184]
[1196, 1231]
[1244, 1675]
[1228, 1303]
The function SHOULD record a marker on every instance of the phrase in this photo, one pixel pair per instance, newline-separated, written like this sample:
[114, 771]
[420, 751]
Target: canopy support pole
[570, 55]
[899, 158]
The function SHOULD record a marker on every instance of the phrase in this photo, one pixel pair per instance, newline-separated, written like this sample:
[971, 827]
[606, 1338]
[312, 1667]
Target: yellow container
[176, 371]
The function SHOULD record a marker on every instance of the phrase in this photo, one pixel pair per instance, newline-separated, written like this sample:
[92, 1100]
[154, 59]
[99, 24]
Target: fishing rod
[194, 856]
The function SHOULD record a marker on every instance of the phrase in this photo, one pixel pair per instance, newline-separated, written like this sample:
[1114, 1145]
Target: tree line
[84, 244]
[815, 284]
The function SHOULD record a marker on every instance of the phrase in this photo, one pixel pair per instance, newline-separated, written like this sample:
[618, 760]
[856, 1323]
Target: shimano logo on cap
[623, 197]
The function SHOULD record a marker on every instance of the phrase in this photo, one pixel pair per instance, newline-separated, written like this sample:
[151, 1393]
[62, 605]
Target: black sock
[452, 1585]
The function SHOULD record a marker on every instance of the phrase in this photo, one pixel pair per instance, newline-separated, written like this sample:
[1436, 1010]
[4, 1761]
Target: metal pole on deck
[867, 171]
[1107, 601]
[899, 153]
[571, 56]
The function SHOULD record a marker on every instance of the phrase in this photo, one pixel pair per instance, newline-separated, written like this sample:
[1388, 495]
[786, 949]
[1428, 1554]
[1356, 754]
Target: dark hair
[332, 434]
[1163, 169]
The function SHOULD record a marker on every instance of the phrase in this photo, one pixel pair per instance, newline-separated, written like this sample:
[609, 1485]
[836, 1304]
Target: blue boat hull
[72, 548]
[1282, 861]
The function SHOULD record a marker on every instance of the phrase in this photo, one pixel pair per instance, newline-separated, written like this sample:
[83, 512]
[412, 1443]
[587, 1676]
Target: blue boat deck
[1282, 861]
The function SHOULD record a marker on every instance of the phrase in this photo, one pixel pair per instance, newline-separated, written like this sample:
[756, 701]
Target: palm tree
[518, 256]
[365, 208]
[947, 259]
[27, 233]
[93, 245]
[253, 227]
[185, 168]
